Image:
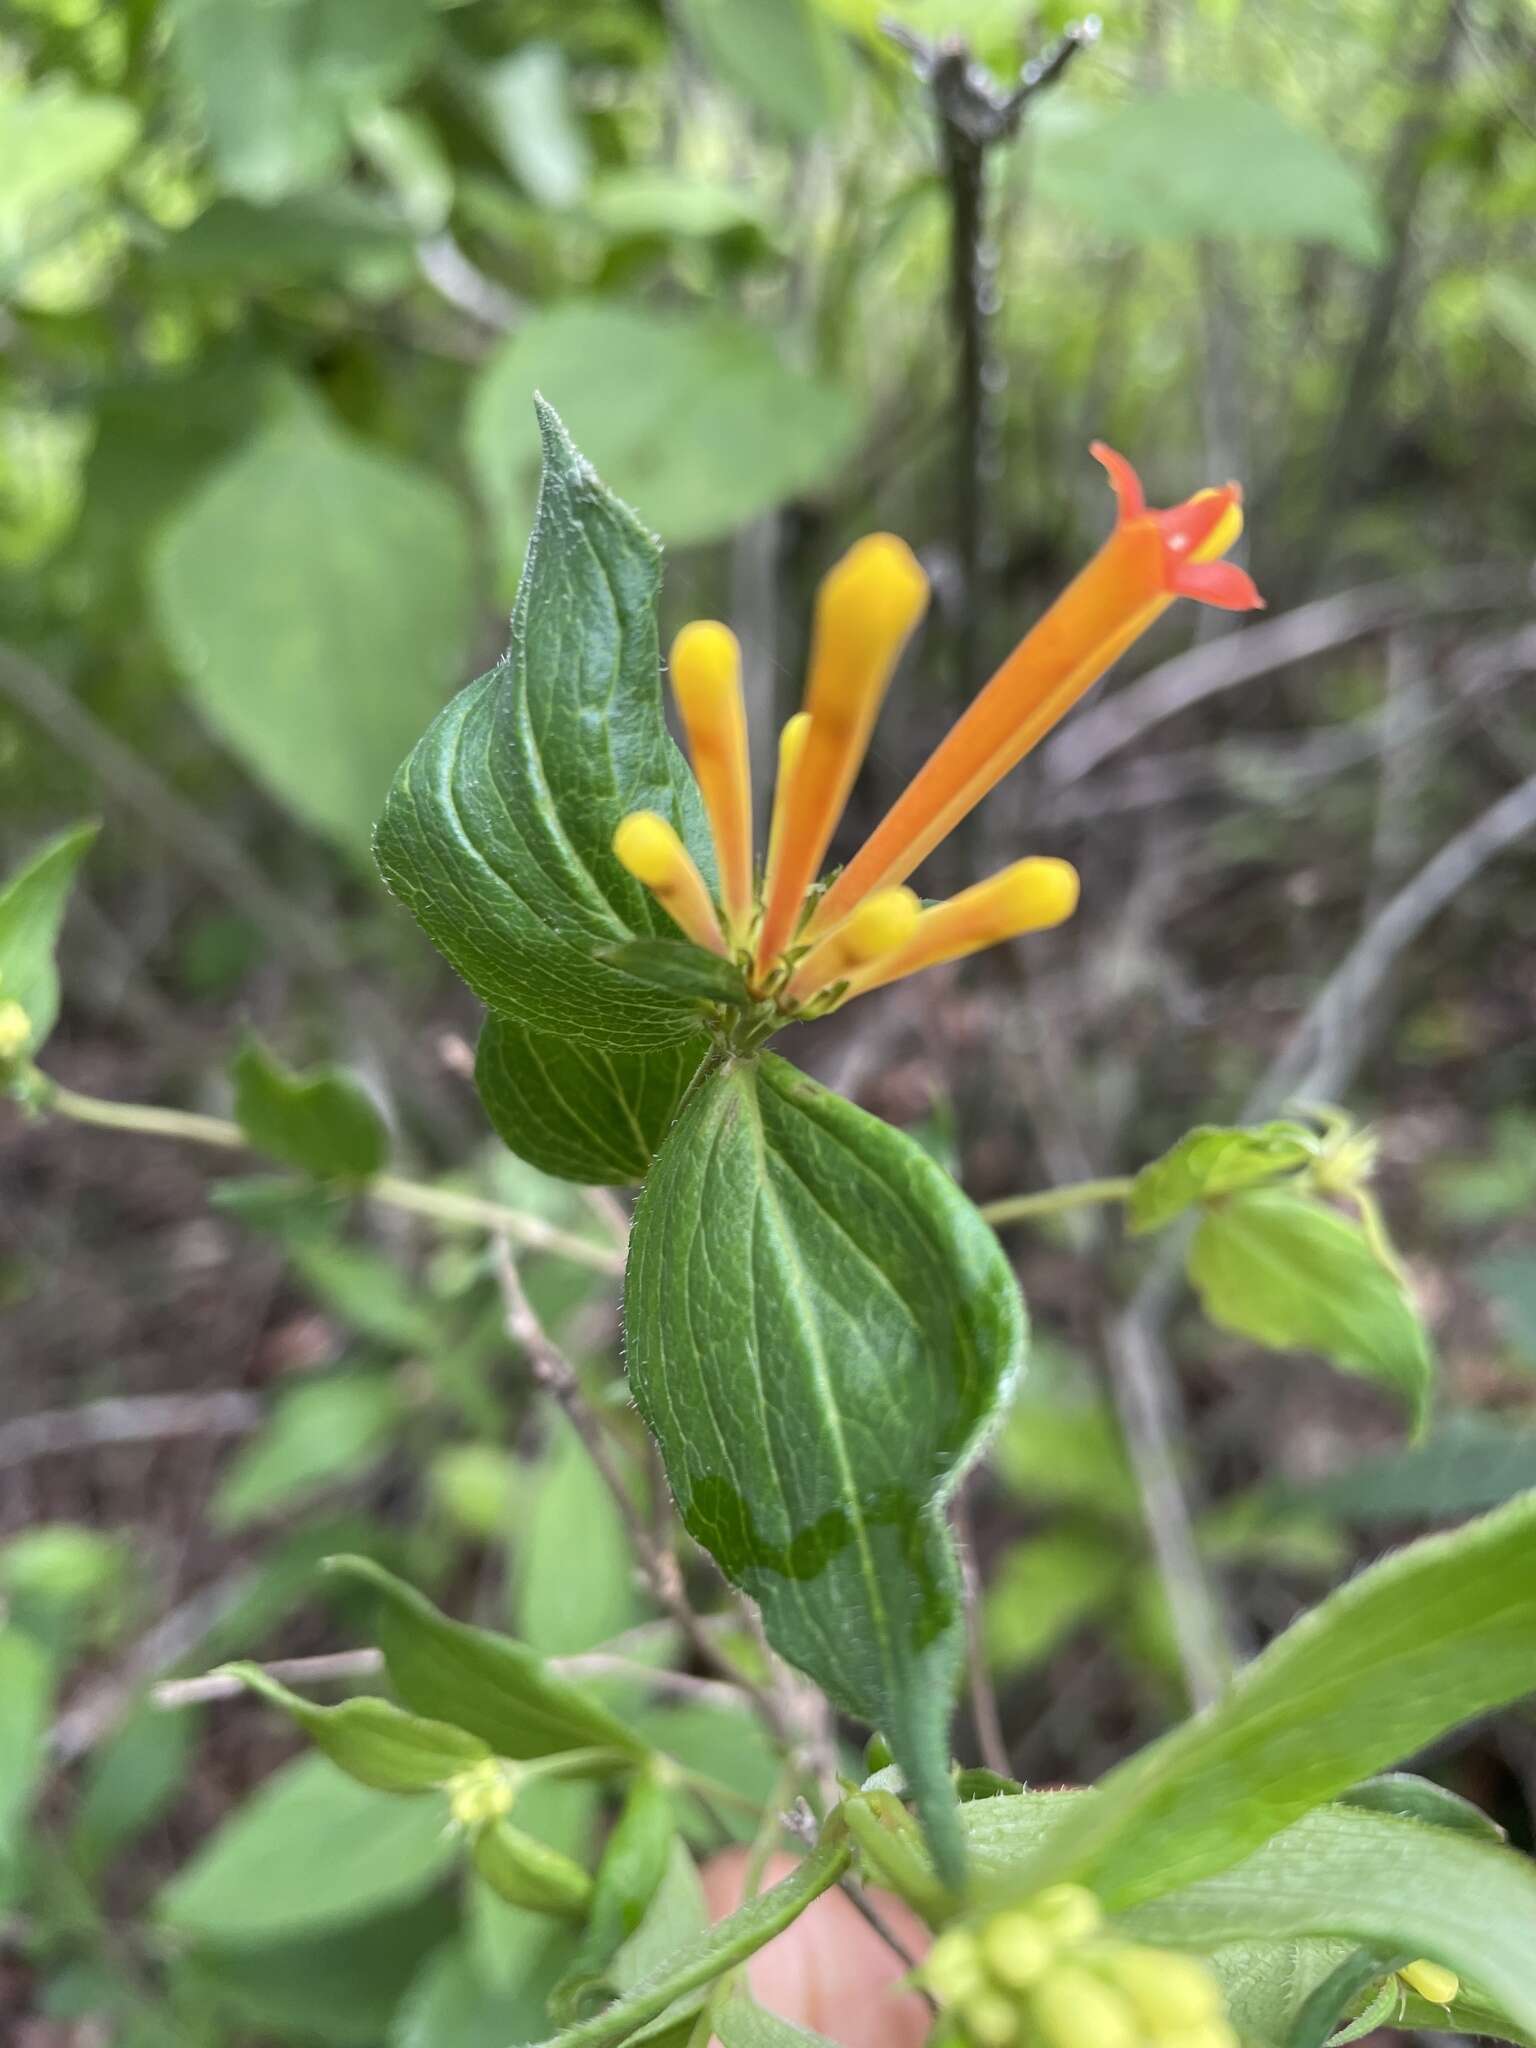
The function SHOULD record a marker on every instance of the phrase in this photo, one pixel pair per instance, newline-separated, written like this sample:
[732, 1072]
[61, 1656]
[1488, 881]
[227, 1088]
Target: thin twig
[983, 1694]
[124, 1419]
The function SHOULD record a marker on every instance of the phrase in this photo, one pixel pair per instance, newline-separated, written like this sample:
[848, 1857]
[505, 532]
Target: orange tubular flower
[1150, 559]
[868, 929]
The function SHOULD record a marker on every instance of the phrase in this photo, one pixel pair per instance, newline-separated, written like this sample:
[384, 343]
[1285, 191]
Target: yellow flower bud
[15, 1030]
[1075, 2009]
[1171, 1992]
[991, 2019]
[954, 1970]
[1068, 1912]
[1018, 1950]
[1431, 1980]
[482, 1794]
[1214, 2033]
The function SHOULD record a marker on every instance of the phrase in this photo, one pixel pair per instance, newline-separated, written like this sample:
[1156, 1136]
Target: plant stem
[443, 1205]
[1082, 1194]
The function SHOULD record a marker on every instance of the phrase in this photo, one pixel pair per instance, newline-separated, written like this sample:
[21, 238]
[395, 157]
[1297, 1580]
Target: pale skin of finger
[830, 1971]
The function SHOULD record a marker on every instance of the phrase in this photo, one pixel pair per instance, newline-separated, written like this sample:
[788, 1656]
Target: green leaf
[583, 1112]
[369, 1293]
[321, 1434]
[309, 1850]
[57, 147]
[1048, 1586]
[1211, 1161]
[32, 907]
[495, 1687]
[1413, 1798]
[26, 1697]
[706, 429]
[741, 2023]
[646, 200]
[1293, 1274]
[371, 1740]
[529, 1873]
[680, 968]
[782, 56]
[1186, 166]
[1378, 1880]
[130, 1781]
[572, 1596]
[498, 831]
[314, 593]
[448, 2006]
[710, 1955]
[524, 102]
[1471, 1461]
[820, 1332]
[279, 82]
[634, 1862]
[1510, 1279]
[320, 1121]
[1428, 1638]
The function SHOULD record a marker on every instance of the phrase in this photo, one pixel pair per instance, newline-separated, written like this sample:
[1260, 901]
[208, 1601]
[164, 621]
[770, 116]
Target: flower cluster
[807, 945]
[1052, 1974]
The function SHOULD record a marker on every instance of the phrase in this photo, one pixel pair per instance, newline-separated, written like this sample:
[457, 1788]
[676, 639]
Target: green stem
[443, 1205]
[1080, 1194]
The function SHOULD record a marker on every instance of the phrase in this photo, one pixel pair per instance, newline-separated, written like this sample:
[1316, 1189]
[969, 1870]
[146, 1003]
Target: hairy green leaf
[680, 968]
[32, 907]
[314, 593]
[1379, 1880]
[1214, 1160]
[1293, 1274]
[320, 1121]
[371, 1740]
[820, 1332]
[1426, 1639]
[498, 831]
[1414, 1798]
[580, 1111]
[495, 1687]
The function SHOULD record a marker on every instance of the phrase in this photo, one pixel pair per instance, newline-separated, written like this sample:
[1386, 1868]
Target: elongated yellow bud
[882, 924]
[706, 684]
[866, 609]
[1075, 2009]
[651, 850]
[1030, 896]
[1431, 1980]
[1171, 1992]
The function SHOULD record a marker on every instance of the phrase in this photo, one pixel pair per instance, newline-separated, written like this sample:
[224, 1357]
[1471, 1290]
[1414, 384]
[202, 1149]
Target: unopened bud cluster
[1052, 1975]
[15, 1030]
[481, 1795]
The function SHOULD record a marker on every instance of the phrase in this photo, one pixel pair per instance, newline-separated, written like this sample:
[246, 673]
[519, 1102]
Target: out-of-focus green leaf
[584, 1112]
[1430, 1637]
[26, 1695]
[495, 1687]
[1510, 1278]
[319, 1435]
[1512, 302]
[524, 102]
[646, 201]
[320, 1121]
[1066, 1451]
[131, 1779]
[1187, 166]
[573, 1595]
[369, 1293]
[1212, 1161]
[309, 1850]
[706, 428]
[1047, 1586]
[450, 2006]
[529, 1873]
[314, 594]
[781, 56]
[32, 906]
[1293, 1274]
[1413, 1798]
[372, 1740]
[635, 1860]
[278, 82]
[1471, 1461]
[57, 146]
[821, 1330]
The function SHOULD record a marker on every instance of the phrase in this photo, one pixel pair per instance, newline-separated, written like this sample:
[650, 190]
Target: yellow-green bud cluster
[481, 1795]
[15, 1030]
[1052, 1975]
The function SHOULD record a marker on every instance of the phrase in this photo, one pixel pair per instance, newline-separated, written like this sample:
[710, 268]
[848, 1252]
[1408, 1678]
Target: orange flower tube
[650, 849]
[1149, 559]
[1030, 896]
[706, 685]
[866, 609]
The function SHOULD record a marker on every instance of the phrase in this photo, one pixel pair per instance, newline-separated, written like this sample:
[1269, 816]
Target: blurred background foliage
[277, 282]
